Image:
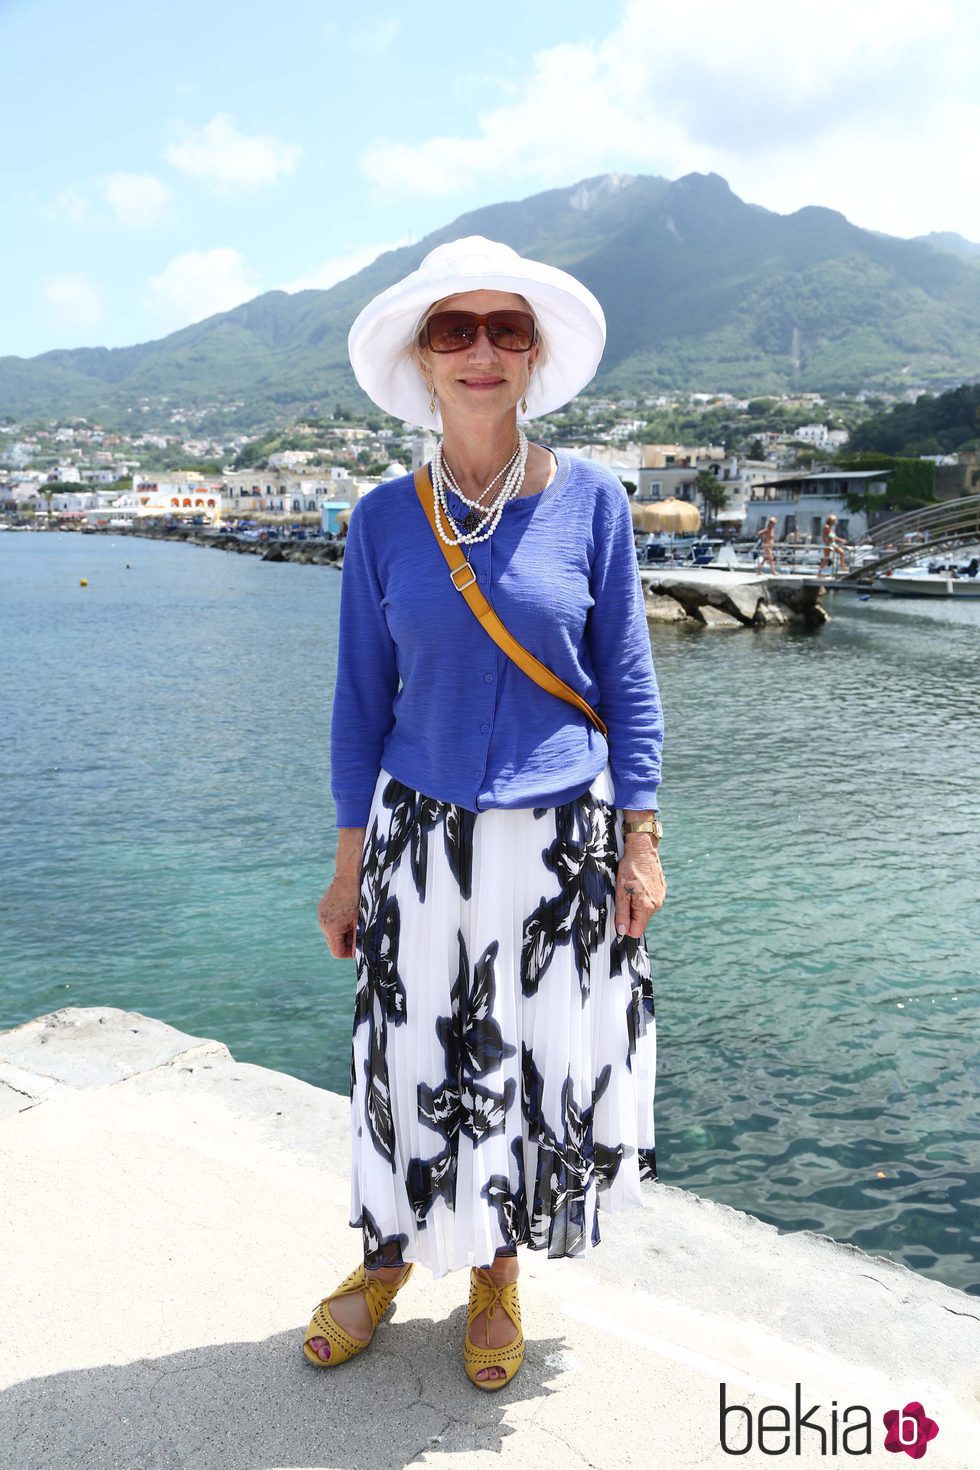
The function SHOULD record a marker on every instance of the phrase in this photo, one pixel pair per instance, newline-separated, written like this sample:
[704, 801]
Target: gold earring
[524, 404]
[432, 397]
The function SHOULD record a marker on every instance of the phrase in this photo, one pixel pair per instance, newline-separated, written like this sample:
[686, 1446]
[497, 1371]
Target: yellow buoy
[83, 581]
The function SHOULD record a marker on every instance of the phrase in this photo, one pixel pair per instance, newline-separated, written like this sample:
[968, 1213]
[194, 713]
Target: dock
[171, 1217]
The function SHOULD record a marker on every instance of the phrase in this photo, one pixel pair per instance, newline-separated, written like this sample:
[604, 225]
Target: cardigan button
[488, 678]
[485, 728]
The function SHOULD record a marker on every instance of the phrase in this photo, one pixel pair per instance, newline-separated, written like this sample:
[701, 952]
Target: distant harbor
[296, 547]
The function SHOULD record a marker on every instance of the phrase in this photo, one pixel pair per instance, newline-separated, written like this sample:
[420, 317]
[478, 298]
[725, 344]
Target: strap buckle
[465, 567]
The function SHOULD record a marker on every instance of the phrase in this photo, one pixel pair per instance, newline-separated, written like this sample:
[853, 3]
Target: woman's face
[482, 380]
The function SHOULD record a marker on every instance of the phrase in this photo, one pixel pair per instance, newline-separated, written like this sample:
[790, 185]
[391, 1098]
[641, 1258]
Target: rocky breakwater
[319, 553]
[712, 598]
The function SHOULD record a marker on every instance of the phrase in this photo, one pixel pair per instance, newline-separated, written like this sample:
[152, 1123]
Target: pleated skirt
[503, 1055]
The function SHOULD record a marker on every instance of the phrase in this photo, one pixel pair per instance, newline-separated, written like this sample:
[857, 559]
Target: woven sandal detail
[378, 1295]
[486, 1296]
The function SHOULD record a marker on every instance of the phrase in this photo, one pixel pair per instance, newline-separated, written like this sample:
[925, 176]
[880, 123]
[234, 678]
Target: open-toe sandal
[378, 1295]
[485, 1295]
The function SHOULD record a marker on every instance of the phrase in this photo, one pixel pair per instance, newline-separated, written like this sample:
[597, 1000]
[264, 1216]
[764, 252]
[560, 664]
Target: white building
[98, 476]
[178, 494]
[623, 459]
[424, 443]
[821, 437]
[801, 503]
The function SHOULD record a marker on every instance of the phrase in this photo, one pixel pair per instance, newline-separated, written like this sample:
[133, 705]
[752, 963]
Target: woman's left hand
[639, 870]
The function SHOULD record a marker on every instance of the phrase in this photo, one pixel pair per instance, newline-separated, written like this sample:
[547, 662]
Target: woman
[767, 548]
[494, 900]
[833, 551]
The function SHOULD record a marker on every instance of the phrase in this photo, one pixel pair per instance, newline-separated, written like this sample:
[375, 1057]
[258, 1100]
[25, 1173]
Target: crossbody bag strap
[467, 585]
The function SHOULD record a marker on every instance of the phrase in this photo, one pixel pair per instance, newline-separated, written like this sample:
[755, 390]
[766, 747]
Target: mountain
[953, 244]
[701, 291]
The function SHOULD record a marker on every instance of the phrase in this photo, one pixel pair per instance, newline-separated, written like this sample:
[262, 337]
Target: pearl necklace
[443, 478]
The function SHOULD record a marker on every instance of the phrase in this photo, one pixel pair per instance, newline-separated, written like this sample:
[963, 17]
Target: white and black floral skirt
[504, 1042]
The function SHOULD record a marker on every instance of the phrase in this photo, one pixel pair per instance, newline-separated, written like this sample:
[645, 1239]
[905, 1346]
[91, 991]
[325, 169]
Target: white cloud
[339, 267]
[73, 300]
[201, 283]
[823, 101]
[228, 160]
[139, 200]
[70, 206]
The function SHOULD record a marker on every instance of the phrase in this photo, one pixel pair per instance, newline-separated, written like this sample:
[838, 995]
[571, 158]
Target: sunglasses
[450, 331]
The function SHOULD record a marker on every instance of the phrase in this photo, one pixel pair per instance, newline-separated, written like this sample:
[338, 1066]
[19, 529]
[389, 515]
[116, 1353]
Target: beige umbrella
[665, 515]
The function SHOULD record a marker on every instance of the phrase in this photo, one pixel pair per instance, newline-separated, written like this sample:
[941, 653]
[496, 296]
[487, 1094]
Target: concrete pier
[717, 597]
[170, 1217]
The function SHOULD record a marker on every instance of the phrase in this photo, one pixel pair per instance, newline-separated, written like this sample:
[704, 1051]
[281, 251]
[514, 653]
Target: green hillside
[931, 425]
[701, 291]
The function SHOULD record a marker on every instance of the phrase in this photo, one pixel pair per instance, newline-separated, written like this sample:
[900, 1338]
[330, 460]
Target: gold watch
[653, 825]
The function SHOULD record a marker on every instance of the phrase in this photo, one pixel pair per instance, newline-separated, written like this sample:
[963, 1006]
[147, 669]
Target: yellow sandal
[485, 1296]
[378, 1295]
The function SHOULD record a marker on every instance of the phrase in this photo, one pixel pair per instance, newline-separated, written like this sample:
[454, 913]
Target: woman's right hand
[337, 909]
[337, 914]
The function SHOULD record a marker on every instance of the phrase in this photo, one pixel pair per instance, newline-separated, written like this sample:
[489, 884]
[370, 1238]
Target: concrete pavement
[170, 1217]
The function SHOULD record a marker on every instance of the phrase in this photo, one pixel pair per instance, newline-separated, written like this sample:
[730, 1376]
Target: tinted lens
[512, 330]
[448, 331]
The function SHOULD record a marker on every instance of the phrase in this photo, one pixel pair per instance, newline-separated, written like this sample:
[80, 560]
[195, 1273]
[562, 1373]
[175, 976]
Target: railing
[934, 528]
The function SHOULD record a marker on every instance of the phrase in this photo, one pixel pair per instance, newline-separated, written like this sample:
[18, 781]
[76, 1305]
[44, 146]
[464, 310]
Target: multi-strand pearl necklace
[443, 478]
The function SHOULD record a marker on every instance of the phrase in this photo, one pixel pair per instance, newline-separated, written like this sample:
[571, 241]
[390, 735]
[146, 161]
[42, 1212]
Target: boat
[955, 576]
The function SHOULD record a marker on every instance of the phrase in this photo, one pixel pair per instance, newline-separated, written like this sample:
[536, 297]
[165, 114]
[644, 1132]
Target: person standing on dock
[497, 855]
[833, 549]
[767, 547]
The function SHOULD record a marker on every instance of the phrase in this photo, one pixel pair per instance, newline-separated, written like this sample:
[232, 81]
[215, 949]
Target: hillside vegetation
[701, 292]
[931, 425]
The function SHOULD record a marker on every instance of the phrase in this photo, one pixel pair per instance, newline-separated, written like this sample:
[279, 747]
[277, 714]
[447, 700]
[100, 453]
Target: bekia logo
[775, 1431]
[909, 1429]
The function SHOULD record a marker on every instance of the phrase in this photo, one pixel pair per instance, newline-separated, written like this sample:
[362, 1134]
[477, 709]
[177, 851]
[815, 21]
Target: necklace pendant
[472, 521]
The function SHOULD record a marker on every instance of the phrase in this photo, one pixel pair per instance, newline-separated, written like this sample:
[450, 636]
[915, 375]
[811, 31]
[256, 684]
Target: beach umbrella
[676, 516]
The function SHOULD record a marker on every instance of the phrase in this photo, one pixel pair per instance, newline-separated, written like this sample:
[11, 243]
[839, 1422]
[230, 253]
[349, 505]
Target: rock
[663, 609]
[715, 617]
[803, 600]
[742, 601]
[690, 595]
[770, 615]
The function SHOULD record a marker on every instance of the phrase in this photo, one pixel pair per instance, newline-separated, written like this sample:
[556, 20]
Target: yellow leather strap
[467, 585]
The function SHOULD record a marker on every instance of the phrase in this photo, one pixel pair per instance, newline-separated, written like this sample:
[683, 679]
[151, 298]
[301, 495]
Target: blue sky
[162, 164]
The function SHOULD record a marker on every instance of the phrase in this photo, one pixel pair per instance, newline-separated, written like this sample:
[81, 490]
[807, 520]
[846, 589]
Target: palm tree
[713, 494]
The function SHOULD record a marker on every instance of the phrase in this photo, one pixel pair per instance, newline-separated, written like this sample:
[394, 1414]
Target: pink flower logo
[909, 1429]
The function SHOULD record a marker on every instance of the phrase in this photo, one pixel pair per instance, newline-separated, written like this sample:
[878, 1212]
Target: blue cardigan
[423, 691]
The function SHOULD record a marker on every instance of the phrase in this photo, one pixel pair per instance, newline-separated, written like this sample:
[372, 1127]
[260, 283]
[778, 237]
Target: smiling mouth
[482, 382]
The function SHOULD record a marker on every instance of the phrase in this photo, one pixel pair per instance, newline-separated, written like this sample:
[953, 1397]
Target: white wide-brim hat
[569, 316]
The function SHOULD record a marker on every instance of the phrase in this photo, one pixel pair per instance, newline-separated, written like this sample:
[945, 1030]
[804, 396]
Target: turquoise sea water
[168, 830]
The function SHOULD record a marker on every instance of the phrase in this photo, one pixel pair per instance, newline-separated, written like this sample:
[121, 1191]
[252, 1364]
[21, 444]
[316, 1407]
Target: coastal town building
[623, 459]
[821, 436]
[423, 444]
[801, 503]
[957, 475]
